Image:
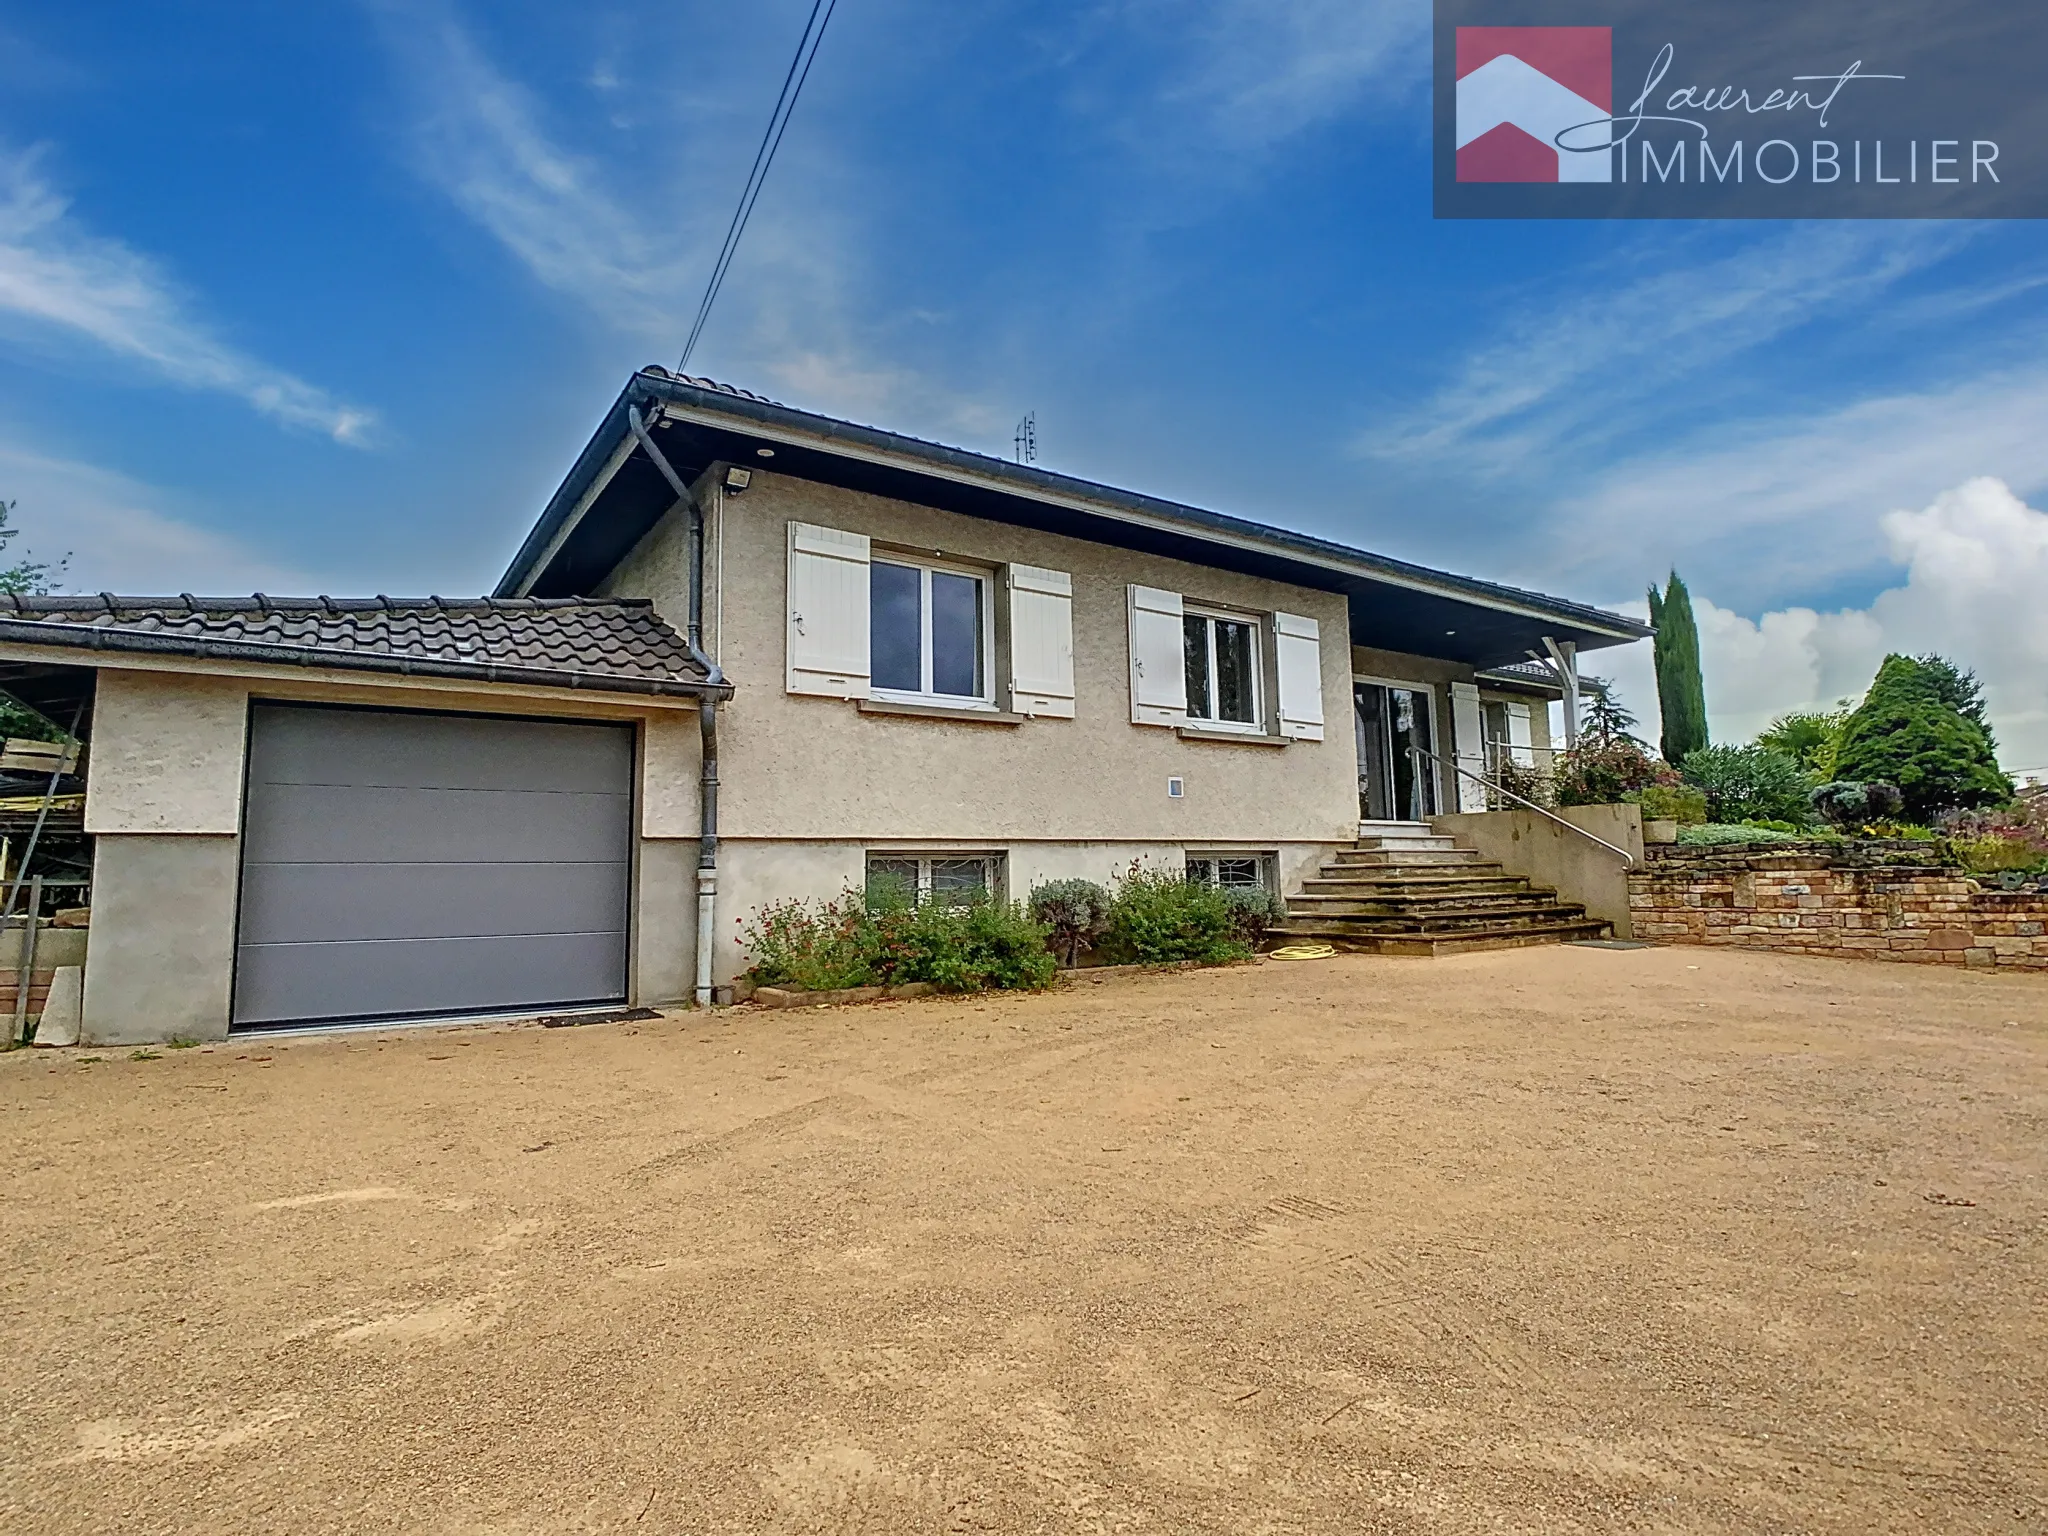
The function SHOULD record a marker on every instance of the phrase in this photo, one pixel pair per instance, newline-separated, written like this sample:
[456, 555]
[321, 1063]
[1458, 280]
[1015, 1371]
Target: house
[747, 653]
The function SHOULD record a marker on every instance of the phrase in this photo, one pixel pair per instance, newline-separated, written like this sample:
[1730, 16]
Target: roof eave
[915, 454]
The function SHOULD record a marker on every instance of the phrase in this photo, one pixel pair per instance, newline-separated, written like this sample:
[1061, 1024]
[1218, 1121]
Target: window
[1221, 653]
[1245, 870]
[949, 878]
[928, 631]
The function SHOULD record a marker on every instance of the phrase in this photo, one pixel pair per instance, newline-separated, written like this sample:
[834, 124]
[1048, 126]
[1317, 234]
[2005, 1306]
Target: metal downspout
[707, 718]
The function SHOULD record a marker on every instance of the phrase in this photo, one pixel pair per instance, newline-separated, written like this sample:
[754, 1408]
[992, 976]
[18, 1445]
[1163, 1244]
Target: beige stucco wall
[162, 958]
[163, 798]
[166, 753]
[809, 785]
[800, 767]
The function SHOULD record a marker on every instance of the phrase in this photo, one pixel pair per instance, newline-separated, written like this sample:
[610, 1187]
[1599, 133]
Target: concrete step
[1417, 889]
[1478, 918]
[1396, 829]
[1348, 881]
[1469, 901]
[1404, 854]
[1405, 875]
[1431, 945]
[1413, 844]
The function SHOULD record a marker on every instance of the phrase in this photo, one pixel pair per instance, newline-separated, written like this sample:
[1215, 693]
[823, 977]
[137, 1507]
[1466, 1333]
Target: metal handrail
[1626, 857]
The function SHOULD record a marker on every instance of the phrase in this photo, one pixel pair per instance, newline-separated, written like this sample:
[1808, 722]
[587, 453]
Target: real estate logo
[1742, 109]
[1521, 92]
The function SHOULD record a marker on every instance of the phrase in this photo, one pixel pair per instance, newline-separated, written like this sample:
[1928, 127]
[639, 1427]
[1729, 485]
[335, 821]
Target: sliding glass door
[1394, 724]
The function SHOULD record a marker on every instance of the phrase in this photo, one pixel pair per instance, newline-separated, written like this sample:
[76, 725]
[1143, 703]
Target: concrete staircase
[1402, 890]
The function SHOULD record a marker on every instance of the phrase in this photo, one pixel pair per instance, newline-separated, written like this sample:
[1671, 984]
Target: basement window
[1247, 871]
[952, 879]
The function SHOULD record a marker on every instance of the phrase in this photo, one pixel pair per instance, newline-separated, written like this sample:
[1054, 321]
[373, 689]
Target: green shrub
[1848, 804]
[1682, 803]
[1809, 737]
[1990, 854]
[1918, 728]
[883, 939]
[1749, 784]
[1714, 834]
[1159, 917]
[1074, 912]
[1253, 909]
[1602, 773]
[981, 946]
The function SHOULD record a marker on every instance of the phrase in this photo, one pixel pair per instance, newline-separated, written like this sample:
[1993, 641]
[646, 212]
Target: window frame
[1257, 623]
[985, 638]
[1264, 860]
[992, 862]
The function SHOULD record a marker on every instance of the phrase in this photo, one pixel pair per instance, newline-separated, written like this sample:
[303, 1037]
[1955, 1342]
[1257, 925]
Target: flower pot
[1660, 829]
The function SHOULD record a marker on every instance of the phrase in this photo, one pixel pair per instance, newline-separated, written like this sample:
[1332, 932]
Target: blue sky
[326, 298]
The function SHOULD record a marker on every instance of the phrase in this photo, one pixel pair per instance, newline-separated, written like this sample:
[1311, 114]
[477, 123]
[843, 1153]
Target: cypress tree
[1681, 691]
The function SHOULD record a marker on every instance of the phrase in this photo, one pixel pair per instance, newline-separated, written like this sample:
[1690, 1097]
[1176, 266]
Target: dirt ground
[1553, 1240]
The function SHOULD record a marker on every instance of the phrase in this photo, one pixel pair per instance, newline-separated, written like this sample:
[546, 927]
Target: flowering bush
[2011, 838]
[1594, 773]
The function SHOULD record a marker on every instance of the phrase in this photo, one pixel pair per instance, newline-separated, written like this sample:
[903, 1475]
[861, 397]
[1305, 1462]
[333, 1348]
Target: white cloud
[1609, 351]
[632, 244]
[1768, 512]
[1263, 70]
[61, 280]
[118, 538]
[481, 140]
[1976, 569]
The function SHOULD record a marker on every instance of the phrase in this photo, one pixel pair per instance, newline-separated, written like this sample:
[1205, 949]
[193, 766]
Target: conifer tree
[1681, 691]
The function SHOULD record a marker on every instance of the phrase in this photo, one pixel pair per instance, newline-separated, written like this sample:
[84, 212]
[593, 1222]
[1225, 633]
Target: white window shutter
[1298, 656]
[1521, 739]
[1468, 732]
[1041, 641]
[1159, 679]
[828, 612]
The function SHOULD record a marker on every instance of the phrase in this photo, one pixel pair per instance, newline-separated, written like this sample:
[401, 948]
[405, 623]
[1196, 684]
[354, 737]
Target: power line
[771, 140]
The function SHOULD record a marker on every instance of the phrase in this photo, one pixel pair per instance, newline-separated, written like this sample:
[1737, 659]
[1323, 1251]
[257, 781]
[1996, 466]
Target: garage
[406, 864]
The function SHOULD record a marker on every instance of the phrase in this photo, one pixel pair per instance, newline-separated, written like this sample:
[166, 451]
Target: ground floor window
[943, 877]
[1249, 870]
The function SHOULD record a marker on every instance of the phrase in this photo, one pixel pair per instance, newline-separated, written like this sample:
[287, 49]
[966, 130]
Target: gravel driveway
[1544, 1240]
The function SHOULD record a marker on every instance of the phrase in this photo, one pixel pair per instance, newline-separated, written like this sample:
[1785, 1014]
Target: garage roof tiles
[609, 644]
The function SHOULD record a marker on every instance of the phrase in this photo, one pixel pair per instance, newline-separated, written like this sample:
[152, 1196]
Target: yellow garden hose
[1303, 952]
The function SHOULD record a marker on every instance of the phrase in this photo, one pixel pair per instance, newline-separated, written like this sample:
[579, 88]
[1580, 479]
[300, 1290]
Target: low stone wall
[1885, 901]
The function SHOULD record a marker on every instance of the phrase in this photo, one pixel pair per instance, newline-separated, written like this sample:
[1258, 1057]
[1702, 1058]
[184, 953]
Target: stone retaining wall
[1884, 901]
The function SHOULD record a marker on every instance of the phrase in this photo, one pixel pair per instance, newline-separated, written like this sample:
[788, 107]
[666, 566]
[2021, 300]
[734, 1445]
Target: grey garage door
[400, 864]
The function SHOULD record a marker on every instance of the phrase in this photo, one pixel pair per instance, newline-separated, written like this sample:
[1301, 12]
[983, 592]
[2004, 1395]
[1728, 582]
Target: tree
[1681, 691]
[1604, 718]
[1812, 738]
[1957, 687]
[1909, 731]
[24, 575]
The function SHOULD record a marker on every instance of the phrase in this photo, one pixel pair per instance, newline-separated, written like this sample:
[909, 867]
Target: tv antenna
[1026, 440]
